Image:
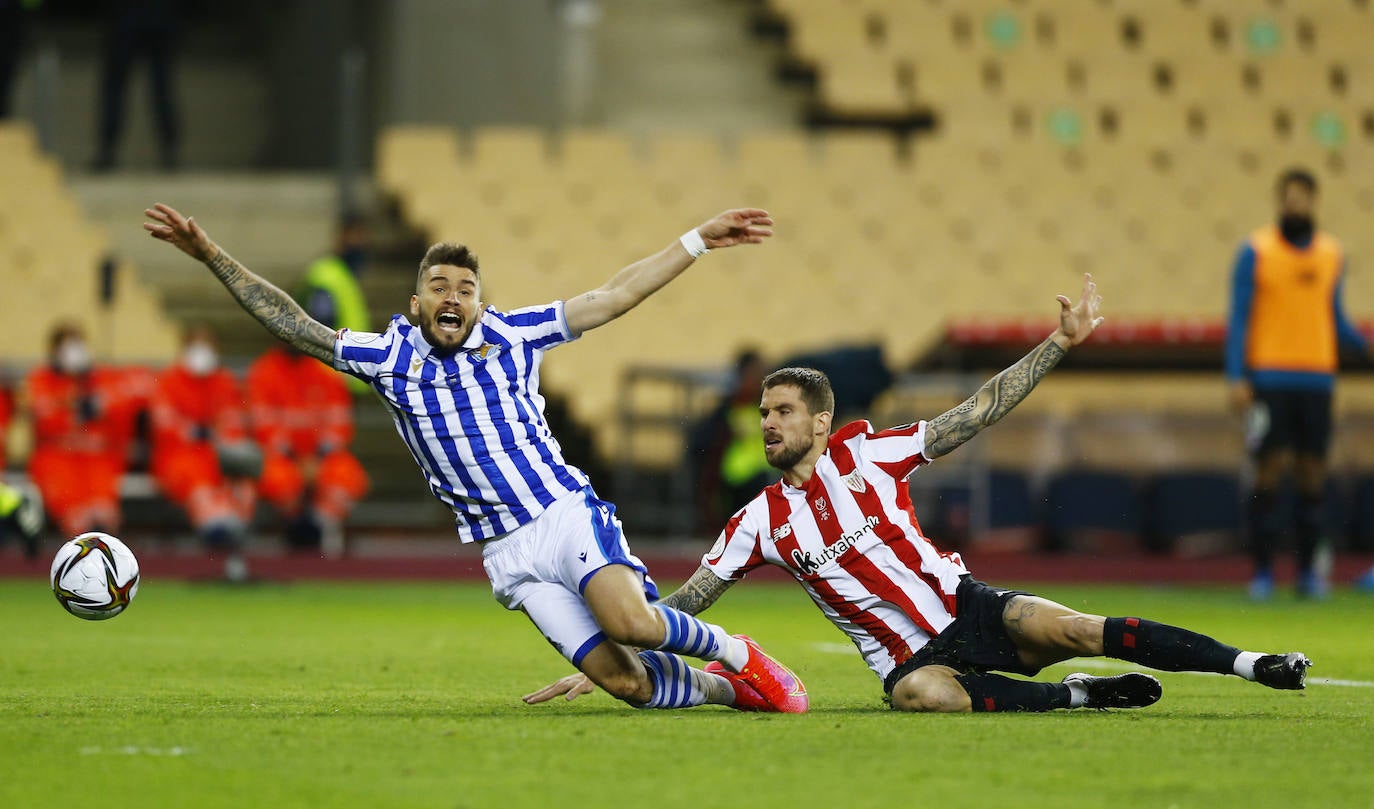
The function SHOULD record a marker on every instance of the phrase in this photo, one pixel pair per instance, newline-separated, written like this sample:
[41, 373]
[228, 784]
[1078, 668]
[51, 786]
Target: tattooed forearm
[274, 309]
[697, 593]
[992, 401]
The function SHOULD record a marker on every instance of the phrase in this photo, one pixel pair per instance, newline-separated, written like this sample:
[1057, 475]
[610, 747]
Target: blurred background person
[302, 417]
[727, 447]
[83, 419]
[330, 291]
[201, 457]
[139, 30]
[1282, 355]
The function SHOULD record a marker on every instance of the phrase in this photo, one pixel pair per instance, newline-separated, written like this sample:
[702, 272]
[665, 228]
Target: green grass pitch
[407, 695]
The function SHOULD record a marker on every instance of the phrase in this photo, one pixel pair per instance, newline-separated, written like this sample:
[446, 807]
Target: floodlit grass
[407, 695]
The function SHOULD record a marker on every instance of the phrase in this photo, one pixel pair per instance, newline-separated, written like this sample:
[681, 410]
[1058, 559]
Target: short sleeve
[898, 451]
[737, 550]
[363, 353]
[541, 327]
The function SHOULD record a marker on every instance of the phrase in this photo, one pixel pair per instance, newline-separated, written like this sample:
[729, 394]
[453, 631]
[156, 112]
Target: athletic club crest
[855, 481]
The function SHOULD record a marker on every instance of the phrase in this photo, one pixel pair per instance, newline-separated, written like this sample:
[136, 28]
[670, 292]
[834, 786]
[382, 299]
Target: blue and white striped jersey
[474, 421]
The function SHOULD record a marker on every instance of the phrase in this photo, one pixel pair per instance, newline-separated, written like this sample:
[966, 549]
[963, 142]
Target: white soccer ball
[94, 576]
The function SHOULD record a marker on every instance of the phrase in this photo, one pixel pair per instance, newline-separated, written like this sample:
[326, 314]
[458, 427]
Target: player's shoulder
[854, 429]
[1326, 240]
[756, 511]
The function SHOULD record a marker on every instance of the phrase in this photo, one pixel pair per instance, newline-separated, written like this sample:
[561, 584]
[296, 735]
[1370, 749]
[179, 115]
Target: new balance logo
[782, 531]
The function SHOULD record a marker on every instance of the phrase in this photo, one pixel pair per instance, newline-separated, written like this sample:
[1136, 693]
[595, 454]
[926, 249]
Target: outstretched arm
[695, 595]
[273, 308]
[1000, 394]
[629, 287]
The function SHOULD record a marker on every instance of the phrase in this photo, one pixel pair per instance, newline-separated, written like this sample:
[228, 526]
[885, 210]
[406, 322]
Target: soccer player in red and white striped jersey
[841, 522]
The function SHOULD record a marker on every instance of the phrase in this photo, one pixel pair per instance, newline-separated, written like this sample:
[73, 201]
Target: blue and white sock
[688, 635]
[678, 685]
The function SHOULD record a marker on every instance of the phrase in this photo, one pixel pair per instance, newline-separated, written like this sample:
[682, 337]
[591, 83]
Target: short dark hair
[449, 254]
[1299, 176]
[815, 388]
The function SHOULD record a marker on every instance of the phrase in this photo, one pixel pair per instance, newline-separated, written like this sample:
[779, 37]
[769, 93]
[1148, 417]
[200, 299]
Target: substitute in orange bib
[303, 421]
[83, 420]
[1281, 360]
[200, 419]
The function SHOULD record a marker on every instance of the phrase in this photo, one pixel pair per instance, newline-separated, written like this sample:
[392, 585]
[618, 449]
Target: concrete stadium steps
[275, 223]
[666, 64]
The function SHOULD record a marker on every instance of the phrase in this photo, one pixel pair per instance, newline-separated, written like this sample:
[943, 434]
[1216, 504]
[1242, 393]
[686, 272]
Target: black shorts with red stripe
[977, 639]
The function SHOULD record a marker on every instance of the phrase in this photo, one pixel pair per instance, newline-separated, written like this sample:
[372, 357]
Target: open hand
[738, 226]
[570, 687]
[182, 232]
[1078, 320]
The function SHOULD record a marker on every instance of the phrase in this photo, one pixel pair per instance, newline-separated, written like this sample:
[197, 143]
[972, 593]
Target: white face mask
[200, 359]
[73, 357]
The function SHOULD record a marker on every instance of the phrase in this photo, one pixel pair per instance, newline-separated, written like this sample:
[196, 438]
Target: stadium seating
[53, 262]
[1136, 139]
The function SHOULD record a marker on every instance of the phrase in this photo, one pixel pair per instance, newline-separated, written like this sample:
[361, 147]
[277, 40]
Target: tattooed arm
[697, 593]
[272, 307]
[1000, 394]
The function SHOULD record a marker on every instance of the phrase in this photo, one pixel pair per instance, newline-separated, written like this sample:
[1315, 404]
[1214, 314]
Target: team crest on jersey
[486, 349]
[855, 481]
[782, 531]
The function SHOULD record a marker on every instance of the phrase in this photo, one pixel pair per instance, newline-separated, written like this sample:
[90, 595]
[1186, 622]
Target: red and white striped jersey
[850, 536]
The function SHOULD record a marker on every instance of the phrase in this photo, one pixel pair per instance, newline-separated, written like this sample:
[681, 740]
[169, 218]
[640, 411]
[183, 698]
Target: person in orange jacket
[302, 418]
[199, 418]
[84, 419]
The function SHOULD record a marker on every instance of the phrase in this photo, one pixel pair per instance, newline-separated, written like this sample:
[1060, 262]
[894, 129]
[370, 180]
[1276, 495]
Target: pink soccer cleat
[746, 698]
[771, 680]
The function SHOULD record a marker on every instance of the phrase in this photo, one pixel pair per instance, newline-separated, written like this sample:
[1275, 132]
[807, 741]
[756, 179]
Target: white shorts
[543, 566]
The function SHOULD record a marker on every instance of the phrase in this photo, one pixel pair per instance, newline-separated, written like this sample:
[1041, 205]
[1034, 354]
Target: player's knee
[633, 687]
[641, 628]
[1083, 633]
[930, 690]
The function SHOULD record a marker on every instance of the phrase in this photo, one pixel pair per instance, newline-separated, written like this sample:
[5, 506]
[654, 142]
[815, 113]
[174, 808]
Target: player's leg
[1270, 439]
[1046, 632]
[646, 679]
[594, 558]
[1309, 478]
[941, 689]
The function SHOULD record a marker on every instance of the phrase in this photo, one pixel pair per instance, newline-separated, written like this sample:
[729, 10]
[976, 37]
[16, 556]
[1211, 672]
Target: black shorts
[1298, 420]
[977, 640]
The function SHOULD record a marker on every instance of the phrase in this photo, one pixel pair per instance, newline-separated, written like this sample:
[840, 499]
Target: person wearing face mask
[200, 416]
[302, 417]
[83, 422]
[330, 292]
[1282, 353]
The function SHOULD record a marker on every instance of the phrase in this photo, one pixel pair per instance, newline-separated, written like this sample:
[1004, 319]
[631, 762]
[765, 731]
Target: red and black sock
[993, 692]
[1164, 647]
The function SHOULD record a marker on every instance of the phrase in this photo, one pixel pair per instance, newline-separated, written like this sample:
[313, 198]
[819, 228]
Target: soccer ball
[94, 576]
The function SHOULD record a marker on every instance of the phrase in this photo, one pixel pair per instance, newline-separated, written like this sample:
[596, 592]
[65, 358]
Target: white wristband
[694, 244]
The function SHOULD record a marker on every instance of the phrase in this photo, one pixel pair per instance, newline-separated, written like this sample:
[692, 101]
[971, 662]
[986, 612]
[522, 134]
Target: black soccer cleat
[1129, 690]
[1283, 671]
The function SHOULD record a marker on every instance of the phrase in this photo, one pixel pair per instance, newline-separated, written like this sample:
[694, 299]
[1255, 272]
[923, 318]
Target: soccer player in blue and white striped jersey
[461, 381]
